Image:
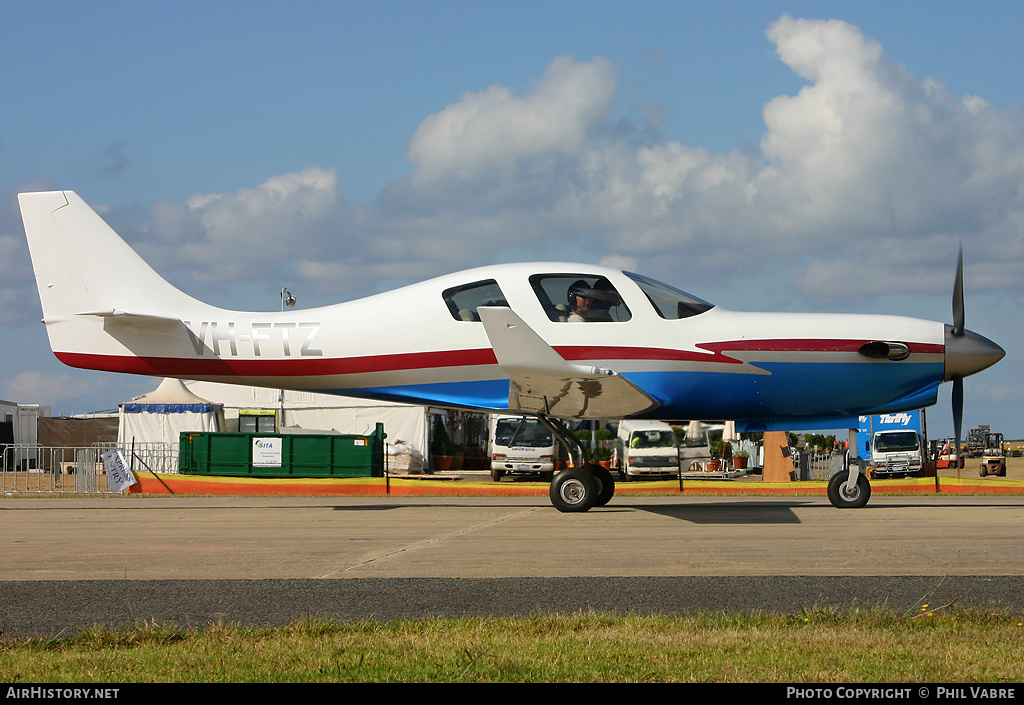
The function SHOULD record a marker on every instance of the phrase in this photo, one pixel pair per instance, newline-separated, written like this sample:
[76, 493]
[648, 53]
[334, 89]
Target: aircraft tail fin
[87, 276]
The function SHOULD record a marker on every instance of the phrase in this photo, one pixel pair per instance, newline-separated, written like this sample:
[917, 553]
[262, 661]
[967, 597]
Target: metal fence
[34, 468]
[155, 457]
[820, 466]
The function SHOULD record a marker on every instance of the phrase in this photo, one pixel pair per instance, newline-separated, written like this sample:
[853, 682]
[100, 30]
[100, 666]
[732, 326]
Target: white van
[646, 449]
[521, 445]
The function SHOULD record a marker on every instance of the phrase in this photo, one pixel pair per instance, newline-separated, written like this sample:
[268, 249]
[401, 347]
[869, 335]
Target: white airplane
[556, 340]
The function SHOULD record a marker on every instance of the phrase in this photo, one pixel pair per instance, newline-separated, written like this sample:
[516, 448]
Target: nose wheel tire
[844, 498]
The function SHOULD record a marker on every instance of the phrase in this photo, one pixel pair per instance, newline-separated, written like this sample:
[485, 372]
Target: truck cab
[646, 449]
[897, 454]
[521, 445]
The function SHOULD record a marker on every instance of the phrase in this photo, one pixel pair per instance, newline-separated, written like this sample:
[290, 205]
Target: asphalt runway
[73, 563]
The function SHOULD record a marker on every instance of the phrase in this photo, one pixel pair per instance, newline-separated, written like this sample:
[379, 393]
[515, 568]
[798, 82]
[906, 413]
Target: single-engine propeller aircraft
[555, 340]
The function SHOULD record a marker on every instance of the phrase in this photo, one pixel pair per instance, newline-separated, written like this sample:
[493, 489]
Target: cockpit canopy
[669, 302]
[578, 297]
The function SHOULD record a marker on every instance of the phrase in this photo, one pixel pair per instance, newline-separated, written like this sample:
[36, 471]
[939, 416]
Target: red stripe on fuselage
[316, 367]
[288, 367]
[811, 345]
[602, 352]
[718, 350]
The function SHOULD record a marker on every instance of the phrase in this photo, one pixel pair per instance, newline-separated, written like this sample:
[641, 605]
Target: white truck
[897, 454]
[646, 449]
[521, 445]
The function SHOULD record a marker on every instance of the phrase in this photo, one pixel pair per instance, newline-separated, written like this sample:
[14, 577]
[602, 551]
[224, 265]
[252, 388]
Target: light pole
[287, 299]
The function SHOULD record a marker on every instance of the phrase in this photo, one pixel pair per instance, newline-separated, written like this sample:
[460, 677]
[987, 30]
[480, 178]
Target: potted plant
[715, 449]
[441, 447]
[739, 459]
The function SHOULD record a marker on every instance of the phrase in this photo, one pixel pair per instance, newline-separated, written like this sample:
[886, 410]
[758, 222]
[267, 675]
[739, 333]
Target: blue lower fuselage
[781, 393]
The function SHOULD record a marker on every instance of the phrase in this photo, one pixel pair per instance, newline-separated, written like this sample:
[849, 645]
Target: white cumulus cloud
[497, 128]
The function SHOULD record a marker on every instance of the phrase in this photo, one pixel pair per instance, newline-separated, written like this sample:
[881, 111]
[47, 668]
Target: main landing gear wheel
[573, 490]
[579, 489]
[605, 484]
[841, 497]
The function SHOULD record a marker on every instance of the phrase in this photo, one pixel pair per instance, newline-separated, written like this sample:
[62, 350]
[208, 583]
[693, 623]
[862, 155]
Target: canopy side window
[669, 302]
[579, 298]
[463, 301]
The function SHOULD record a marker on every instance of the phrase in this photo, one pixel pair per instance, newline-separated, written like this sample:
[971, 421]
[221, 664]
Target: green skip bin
[282, 454]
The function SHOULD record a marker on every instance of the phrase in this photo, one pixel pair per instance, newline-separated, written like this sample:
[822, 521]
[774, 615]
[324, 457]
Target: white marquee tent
[312, 412]
[406, 425]
[176, 406]
[161, 415]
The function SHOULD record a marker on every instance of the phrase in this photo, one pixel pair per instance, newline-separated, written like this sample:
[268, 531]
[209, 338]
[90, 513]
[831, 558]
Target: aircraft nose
[969, 353]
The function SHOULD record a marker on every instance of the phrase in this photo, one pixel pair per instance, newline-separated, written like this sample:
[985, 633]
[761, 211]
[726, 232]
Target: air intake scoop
[885, 350]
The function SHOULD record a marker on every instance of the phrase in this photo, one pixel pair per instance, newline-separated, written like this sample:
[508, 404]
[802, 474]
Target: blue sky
[763, 155]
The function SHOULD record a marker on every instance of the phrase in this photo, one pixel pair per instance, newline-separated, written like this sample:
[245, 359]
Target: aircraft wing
[542, 382]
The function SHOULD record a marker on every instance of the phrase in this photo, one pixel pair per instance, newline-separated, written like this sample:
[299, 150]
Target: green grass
[820, 646]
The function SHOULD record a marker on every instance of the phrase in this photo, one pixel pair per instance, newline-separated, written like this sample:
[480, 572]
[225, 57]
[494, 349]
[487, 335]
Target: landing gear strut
[585, 485]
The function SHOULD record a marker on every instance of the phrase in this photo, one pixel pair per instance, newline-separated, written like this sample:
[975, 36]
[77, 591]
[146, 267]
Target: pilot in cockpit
[591, 303]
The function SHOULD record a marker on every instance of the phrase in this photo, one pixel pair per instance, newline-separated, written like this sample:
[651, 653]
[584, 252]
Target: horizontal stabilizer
[542, 382]
[130, 317]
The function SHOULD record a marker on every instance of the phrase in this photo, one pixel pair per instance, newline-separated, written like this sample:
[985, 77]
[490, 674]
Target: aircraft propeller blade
[958, 414]
[958, 330]
[958, 295]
